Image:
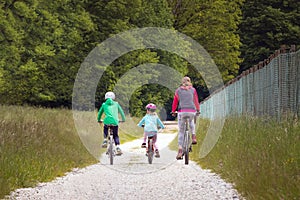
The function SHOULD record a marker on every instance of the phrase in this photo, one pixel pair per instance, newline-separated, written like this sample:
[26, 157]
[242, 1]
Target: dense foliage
[266, 25]
[213, 24]
[44, 43]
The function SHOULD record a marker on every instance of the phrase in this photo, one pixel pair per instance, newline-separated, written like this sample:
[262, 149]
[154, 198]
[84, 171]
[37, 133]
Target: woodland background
[44, 42]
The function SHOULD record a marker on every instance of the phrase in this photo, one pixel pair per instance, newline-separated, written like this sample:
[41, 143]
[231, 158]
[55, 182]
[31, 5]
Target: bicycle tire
[150, 151]
[110, 150]
[186, 157]
[186, 142]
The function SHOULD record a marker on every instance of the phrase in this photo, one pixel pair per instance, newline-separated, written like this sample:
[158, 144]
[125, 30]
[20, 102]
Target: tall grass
[260, 156]
[37, 145]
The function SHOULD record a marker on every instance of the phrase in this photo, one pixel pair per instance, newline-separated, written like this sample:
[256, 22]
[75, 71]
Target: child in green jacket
[111, 109]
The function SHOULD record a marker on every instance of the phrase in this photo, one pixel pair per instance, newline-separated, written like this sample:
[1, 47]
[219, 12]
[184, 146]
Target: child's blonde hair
[150, 112]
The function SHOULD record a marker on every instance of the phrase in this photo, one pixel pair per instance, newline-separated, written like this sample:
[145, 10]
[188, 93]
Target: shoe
[104, 144]
[143, 145]
[146, 151]
[179, 155]
[157, 153]
[194, 140]
[119, 152]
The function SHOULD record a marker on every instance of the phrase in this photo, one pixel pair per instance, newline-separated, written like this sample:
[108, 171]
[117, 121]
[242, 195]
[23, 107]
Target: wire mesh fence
[271, 88]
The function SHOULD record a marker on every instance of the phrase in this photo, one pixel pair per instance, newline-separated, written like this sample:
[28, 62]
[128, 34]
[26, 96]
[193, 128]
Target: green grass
[260, 156]
[38, 145]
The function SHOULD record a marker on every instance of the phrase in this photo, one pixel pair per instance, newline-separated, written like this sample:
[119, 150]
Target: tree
[12, 48]
[266, 25]
[46, 43]
[116, 16]
[213, 24]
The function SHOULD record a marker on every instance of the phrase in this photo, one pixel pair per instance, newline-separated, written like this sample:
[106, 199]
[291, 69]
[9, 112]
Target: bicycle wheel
[150, 151]
[110, 150]
[186, 144]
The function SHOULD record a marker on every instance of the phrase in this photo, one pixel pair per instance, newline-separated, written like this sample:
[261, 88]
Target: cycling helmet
[151, 107]
[110, 95]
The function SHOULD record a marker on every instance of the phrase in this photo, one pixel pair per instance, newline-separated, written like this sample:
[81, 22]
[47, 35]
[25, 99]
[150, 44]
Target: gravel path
[131, 177]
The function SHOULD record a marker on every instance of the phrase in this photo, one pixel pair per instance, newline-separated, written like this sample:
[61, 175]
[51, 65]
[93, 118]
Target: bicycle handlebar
[174, 114]
[197, 113]
[143, 125]
[101, 121]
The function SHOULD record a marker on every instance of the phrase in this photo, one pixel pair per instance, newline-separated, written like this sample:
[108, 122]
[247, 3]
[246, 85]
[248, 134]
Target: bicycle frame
[111, 151]
[187, 145]
[111, 147]
[150, 148]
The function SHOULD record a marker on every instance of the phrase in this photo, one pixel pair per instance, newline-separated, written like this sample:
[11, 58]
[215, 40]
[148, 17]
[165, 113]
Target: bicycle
[111, 147]
[150, 146]
[187, 144]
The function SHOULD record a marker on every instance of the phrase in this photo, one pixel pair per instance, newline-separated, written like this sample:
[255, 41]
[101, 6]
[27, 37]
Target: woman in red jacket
[186, 99]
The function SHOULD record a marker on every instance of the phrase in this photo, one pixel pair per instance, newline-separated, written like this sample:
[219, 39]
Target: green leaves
[265, 27]
[213, 25]
[43, 43]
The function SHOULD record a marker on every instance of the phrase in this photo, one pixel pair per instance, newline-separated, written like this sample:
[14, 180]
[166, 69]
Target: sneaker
[194, 140]
[179, 155]
[119, 152]
[104, 144]
[143, 145]
[157, 153]
[146, 151]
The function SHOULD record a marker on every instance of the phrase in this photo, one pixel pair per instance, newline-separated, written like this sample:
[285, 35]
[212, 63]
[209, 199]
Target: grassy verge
[261, 157]
[37, 145]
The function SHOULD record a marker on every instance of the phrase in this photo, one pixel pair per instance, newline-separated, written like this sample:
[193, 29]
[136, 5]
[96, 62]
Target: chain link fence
[271, 88]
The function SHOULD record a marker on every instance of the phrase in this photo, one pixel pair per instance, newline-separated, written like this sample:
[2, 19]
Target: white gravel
[131, 177]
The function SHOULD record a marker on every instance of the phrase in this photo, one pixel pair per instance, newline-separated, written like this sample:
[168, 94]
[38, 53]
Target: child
[151, 121]
[111, 109]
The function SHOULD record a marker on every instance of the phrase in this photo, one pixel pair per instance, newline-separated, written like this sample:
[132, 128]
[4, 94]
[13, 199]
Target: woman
[186, 99]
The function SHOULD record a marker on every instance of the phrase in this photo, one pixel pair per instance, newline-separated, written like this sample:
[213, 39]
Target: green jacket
[111, 109]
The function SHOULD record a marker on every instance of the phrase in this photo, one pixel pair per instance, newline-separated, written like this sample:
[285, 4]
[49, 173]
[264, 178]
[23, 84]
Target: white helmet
[110, 95]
